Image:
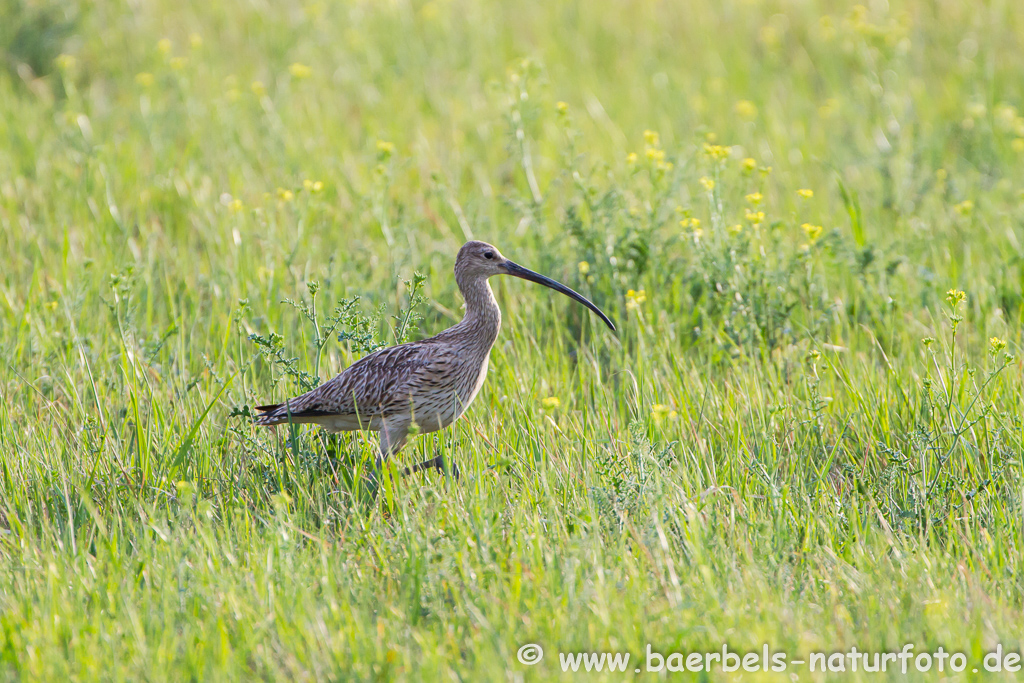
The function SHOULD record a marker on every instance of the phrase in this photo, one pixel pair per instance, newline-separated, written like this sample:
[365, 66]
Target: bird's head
[479, 260]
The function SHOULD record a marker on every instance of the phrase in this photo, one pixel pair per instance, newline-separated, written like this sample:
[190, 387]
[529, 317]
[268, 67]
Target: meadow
[805, 216]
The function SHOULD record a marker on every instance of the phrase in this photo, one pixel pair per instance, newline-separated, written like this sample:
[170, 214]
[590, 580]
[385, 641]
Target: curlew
[429, 382]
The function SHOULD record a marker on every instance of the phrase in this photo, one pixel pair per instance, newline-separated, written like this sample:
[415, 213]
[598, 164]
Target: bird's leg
[438, 462]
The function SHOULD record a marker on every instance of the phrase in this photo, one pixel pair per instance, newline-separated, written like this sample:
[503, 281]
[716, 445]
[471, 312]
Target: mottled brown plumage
[429, 382]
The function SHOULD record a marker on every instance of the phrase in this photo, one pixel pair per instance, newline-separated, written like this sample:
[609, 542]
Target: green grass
[767, 451]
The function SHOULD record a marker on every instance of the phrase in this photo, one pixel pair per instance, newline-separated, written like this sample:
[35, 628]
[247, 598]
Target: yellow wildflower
[235, 205]
[385, 148]
[749, 164]
[144, 79]
[651, 138]
[707, 183]
[755, 217]
[995, 345]
[746, 109]
[631, 158]
[550, 403]
[164, 45]
[662, 412]
[954, 297]
[66, 62]
[805, 193]
[178, 63]
[735, 229]
[285, 195]
[813, 231]
[655, 154]
[258, 89]
[300, 71]
[562, 108]
[584, 267]
[634, 298]
[965, 207]
[716, 152]
[755, 198]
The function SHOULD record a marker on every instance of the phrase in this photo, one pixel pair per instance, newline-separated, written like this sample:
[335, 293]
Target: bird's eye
[488, 255]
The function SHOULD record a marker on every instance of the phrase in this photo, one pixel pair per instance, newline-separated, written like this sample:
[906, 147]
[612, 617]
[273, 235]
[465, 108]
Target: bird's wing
[375, 385]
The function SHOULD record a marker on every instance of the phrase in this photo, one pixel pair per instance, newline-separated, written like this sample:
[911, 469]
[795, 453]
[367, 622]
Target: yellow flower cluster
[805, 193]
[312, 185]
[707, 183]
[690, 223]
[300, 71]
[584, 267]
[755, 217]
[662, 412]
[995, 345]
[965, 207]
[653, 152]
[749, 164]
[755, 198]
[717, 152]
[634, 298]
[746, 109]
[954, 297]
[550, 403]
[813, 231]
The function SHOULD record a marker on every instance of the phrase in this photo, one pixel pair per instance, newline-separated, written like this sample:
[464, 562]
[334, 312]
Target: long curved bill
[527, 274]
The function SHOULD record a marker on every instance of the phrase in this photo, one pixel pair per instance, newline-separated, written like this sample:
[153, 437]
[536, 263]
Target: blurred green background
[806, 218]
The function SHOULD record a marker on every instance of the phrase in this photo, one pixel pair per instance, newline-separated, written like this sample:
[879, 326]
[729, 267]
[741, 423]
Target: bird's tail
[282, 413]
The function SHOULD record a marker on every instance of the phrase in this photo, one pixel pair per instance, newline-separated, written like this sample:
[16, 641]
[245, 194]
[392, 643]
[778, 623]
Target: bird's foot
[438, 462]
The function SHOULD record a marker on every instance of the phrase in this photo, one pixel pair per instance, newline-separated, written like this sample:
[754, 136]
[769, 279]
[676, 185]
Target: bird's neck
[482, 313]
